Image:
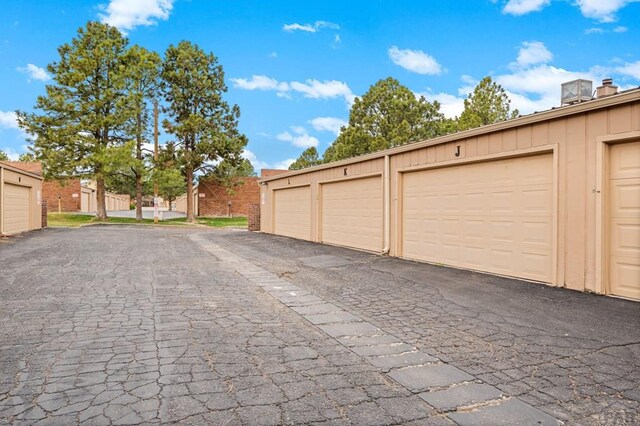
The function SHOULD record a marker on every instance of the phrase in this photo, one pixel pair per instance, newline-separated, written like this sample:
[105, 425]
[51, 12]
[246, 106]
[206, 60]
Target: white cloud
[260, 82]
[11, 153]
[299, 138]
[620, 29]
[602, 10]
[257, 164]
[310, 28]
[538, 88]
[8, 120]
[311, 88]
[531, 53]
[451, 106]
[297, 27]
[285, 164]
[35, 72]
[323, 89]
[632, 70]
[522, 7]
[329, 124]
[594, 30]
[128, 14]
[414, 60]
[337, 41]
[272, 55]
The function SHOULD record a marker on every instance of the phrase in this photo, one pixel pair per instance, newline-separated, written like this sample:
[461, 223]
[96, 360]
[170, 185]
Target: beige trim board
[482, 159]
[288, 186]
[619, 137]
[352, 177]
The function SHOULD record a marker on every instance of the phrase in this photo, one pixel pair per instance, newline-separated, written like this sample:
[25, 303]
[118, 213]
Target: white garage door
[624, 220]
[494, 216]
[292, 210]
[16, 209]
[352, 213]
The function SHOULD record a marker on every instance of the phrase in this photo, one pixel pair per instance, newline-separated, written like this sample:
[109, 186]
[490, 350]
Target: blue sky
[294, 67]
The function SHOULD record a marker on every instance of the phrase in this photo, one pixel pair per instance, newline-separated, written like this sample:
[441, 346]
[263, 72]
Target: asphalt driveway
[132, 325]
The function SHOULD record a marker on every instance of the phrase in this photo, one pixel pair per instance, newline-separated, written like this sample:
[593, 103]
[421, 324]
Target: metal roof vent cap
[576, 91]
[607, 88]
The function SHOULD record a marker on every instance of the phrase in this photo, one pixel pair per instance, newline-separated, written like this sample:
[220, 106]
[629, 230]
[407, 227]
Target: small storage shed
[20, 200]
[552, 197]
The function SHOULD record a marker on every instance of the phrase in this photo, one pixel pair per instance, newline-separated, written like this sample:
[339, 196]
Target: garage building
[552, 197]
[20, 200]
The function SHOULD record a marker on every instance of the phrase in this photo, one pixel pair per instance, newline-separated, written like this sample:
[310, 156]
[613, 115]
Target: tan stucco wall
[314, 179]
[15, 176]
[575, 135]
[181, 202]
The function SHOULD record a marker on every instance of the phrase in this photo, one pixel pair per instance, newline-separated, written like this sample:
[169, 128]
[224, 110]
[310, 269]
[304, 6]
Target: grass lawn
[223, 222]
[70, 220]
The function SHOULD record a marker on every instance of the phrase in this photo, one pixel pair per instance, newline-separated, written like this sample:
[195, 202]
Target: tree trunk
[170, 203]
[101, 208]
[189, 177]
[138, 197]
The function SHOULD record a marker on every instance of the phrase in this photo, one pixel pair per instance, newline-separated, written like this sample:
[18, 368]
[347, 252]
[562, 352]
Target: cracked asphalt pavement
[143, 325]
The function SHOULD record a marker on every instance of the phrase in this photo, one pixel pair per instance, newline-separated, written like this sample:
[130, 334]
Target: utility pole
[155, 160]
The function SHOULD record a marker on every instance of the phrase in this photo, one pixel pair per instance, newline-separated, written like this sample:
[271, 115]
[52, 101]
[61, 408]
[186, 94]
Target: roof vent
[576, 91]
[607, 88]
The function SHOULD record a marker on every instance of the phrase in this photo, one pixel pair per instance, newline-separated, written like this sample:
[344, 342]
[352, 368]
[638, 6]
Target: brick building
[63, 196]
[217, 200]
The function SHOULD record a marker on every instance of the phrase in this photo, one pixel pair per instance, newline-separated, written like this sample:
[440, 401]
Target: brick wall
[44, 214]
[254, 217]
[68, 203]
[213, 199]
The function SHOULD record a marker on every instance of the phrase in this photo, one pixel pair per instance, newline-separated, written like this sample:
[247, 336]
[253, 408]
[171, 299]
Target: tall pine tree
[204, 125]
[81, 128]
[388, 115]
[487, 104]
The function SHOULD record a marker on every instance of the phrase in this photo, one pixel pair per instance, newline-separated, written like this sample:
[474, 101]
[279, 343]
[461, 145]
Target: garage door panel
[496, 218]
[16, 208]
[352, 213]
[292, 212]
[536, 233]
[624, 220]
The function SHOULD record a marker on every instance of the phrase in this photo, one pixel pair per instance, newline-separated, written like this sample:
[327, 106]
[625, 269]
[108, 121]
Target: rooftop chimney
[607, 88]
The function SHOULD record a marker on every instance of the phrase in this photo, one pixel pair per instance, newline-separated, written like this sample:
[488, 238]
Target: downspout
[387, 206]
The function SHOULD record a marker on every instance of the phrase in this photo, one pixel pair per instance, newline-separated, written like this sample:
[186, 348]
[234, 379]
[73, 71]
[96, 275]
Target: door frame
[603, 144]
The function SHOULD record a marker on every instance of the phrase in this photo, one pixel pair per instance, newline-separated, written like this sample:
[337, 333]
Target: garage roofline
[536, 117]
[6, 166]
